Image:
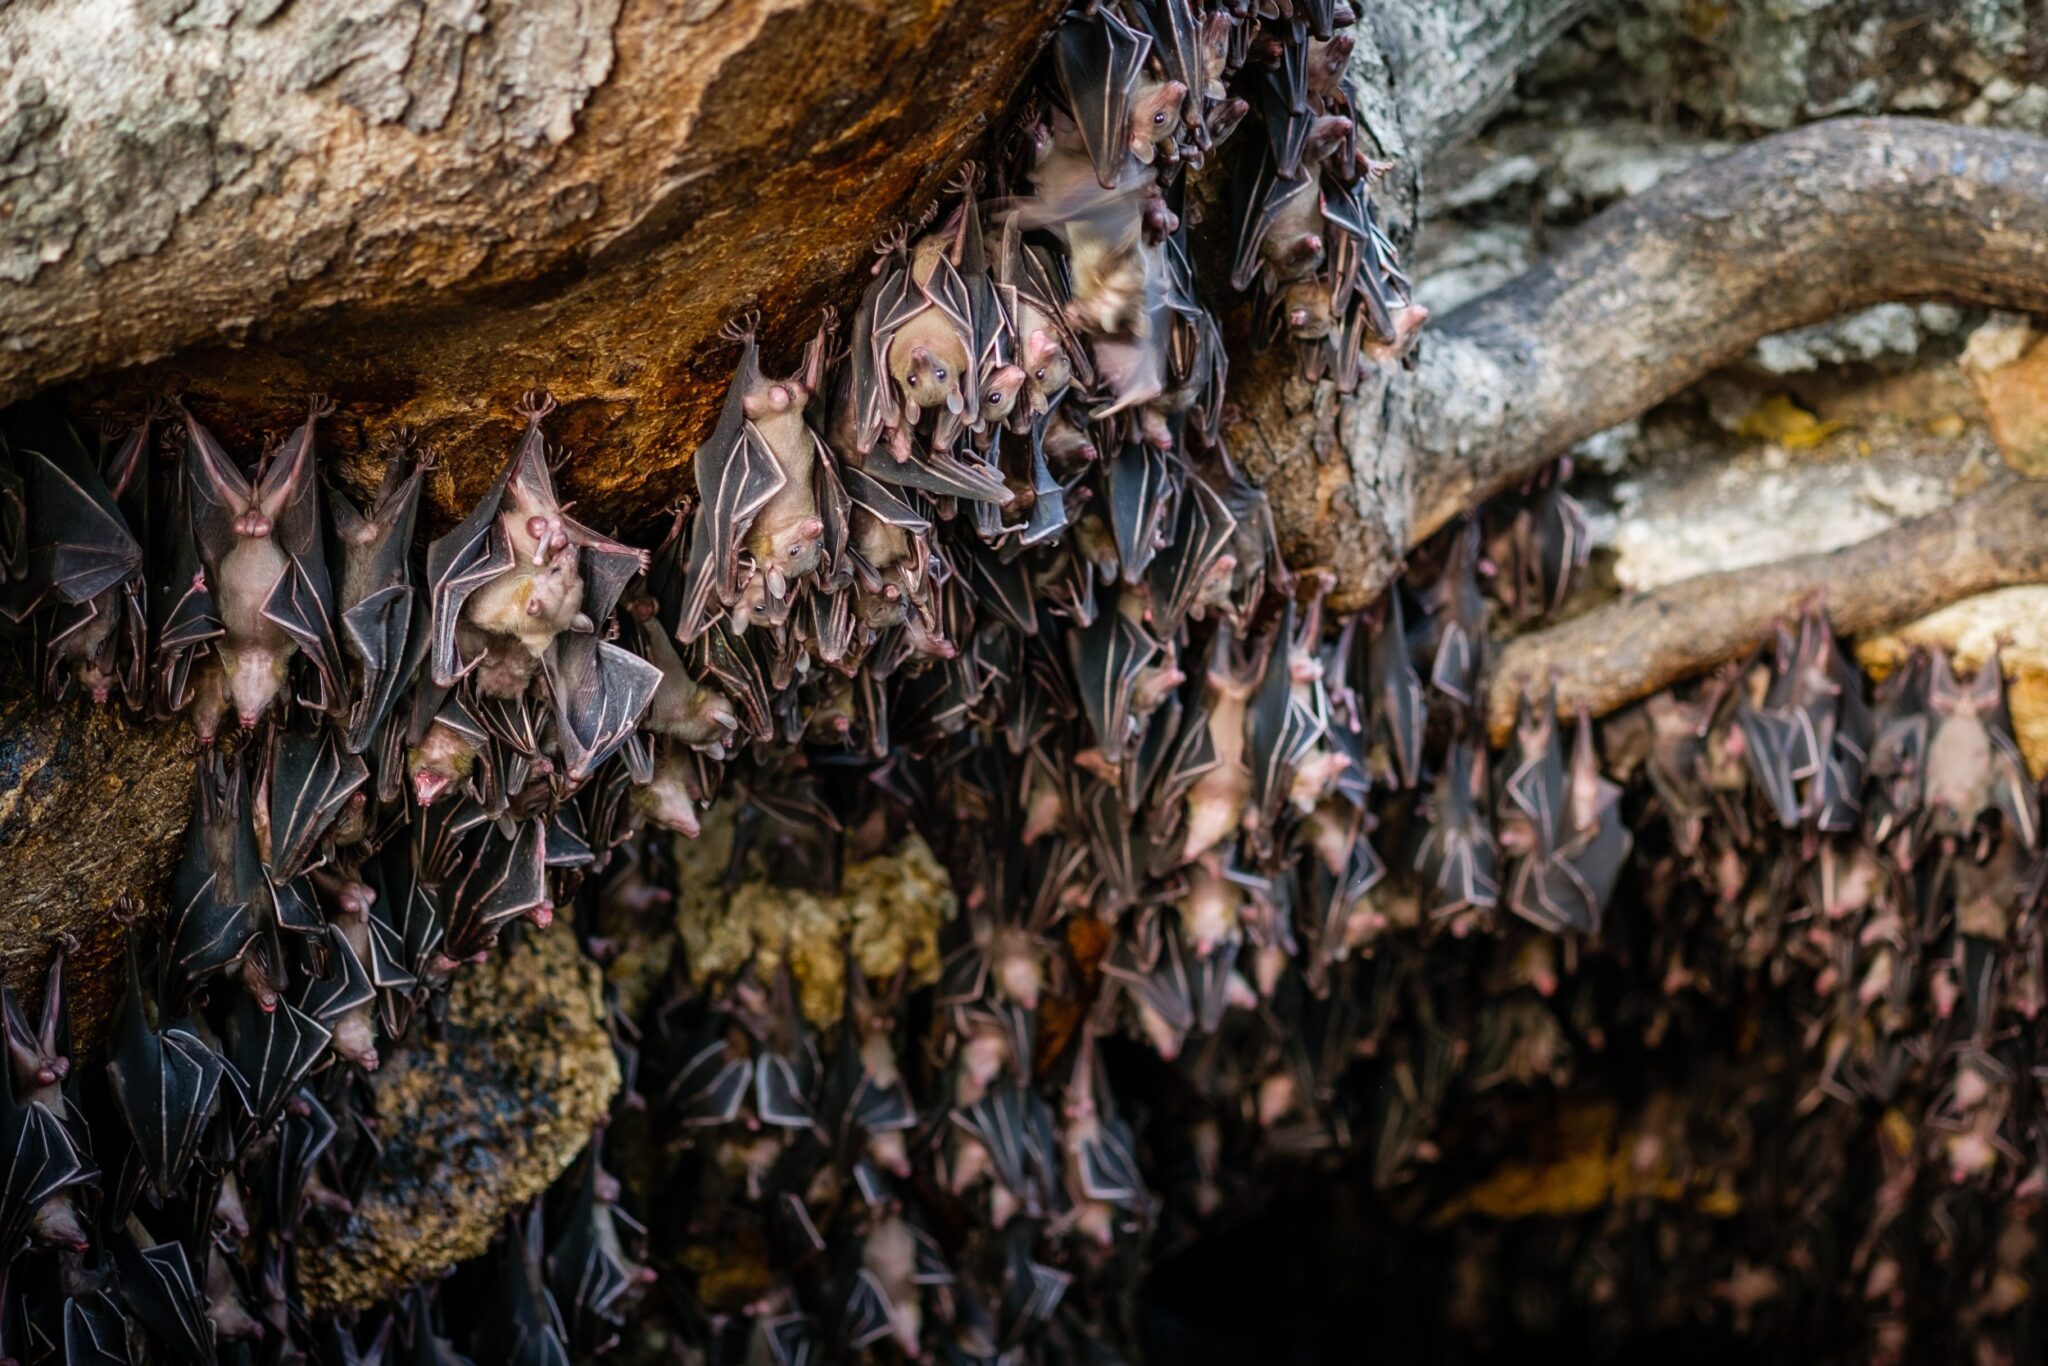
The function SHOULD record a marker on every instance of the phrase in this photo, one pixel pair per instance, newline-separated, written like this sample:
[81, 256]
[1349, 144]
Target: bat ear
[1988, 687]
[954, 404]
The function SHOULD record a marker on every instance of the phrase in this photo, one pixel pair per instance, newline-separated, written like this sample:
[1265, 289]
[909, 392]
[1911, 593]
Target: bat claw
[535, 404]
[742, 328]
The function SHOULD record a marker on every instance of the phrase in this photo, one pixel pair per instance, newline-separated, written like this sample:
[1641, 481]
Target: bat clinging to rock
[266, 564]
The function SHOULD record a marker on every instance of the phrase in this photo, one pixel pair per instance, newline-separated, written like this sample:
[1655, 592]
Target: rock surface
[887, 914]
[424, 210]
[476, 1123]
[93, 807]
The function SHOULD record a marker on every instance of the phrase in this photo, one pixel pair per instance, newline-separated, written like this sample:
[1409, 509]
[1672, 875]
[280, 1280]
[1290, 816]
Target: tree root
[1615, 654]
[1647, 298]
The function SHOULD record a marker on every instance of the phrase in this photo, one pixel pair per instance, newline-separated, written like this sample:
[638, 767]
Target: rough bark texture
[1633, 647]
[92, 809]
[426, 209]
[1648, 297]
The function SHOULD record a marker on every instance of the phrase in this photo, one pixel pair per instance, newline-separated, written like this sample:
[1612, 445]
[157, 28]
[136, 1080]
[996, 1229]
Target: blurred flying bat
[165, 1081]
[383, 631]
[266, 564]
[518, 572]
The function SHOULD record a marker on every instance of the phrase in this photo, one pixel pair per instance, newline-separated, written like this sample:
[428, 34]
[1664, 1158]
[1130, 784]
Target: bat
[1028, 291]
[600, 692]
[1221, 792]
[310, 779]
[1456, 614]
[526, 1327]
[274, 1052]
[922, 352]
[380, 611]
[1160, 991]
[517, 573]
[1108, 658]
[1565, 883]
[1097, 60]
[447, 748]
[266, 564]
[96, 635]
[44, 1161]
[1972, 764]
[1457, 857]
[159, 1286]
[499, 879]
[683, 708]
[587, 1265]
[166, 1083]
[340, 1001]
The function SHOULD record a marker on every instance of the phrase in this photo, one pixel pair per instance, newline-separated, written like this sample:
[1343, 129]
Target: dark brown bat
[45, 1162]
[161, 1288]
[166, 1082]
[182, 614]
[587, 1264]
[382, 615]
[266, 565]
[273, 1052]
[310, 779]
[517, 573]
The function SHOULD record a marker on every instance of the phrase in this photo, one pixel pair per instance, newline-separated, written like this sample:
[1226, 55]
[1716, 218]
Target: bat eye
[939, 374]
[1040, 373]
[1158, 118]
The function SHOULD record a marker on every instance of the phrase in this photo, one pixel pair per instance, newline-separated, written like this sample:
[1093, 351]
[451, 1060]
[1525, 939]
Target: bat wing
[274, 1051]
[1096, 59]
[166, 1085]
[869, 391]
[1401, 707]
[504, 877]
[1003, 586]
[1280, 94]
[1771, 738]
[298, 606]
[1134, 485]
[78, 545]
[601, 691]
[162, 1291]
[737, 474]
[1108, 656]
[95, 1333]
[458, 564]
[711, 1087]
[779, 1095]
[346, 986]
[945, 475]
[377, 631]
[1257, 196]
[218, 489]
[870, 1316]
[1175, 41]
[1203, 530]
[311, 778]
[876, 499]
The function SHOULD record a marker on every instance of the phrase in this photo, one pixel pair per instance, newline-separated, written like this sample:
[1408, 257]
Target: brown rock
[2007, 362]
[93, 806]
[474, 1124]
[699, 161]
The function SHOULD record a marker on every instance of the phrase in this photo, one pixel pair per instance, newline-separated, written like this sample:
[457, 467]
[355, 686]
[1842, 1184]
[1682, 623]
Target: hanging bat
[921, 352]
[1566, 881]
[1097, 59]
[166, 1083]
[266, 564]
[600, 692]
[273, 1051]
[1457, 858]
[525, 1328]
[517, 573]
[1973, 765]
[683, 708]
[1027, 286]
[182, 615]
[1160, 991]
[500, 879]
[340, 1001]
[587, 1264]
[447, 748]
[382, 633]
[1220, 791]
[44, 1162]
[310, 779]
[1108, 659]
[160, 1287]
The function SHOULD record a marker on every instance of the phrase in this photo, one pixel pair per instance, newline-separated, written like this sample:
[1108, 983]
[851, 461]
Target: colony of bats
[981, 568]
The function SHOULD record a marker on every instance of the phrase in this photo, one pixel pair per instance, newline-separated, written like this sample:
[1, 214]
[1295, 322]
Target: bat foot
[534, 405]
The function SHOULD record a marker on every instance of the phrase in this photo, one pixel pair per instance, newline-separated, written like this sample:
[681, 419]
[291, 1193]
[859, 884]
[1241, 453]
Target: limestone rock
[93, 806]
[2007, 362]
[474, 1124]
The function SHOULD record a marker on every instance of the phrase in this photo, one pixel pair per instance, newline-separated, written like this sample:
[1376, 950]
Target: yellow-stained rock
[2007, 364]
[888, 912]
[2015, 620]
[93, 806]
[474, 1124]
